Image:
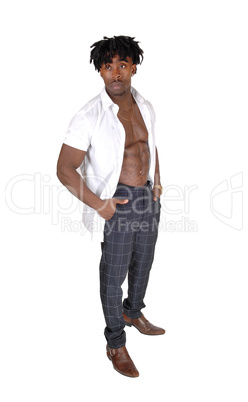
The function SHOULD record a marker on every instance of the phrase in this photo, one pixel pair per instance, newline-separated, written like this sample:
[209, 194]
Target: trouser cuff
[116, 343]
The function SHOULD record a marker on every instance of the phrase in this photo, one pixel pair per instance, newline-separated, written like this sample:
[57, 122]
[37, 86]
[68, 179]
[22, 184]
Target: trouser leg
[115, 260]
[142, 258]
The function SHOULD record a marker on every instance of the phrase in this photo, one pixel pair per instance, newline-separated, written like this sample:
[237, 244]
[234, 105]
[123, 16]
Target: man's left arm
[156, 190]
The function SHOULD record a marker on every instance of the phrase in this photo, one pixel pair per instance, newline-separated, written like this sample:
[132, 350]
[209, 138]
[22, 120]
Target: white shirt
[97, 130]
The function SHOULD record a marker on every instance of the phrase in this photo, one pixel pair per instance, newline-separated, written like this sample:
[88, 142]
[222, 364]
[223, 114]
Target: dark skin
[117, 78]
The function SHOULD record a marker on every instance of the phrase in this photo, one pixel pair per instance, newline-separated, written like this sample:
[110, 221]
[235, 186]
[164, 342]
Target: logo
[226, 201]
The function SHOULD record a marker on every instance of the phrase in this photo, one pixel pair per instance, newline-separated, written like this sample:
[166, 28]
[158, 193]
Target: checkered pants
[129, 242]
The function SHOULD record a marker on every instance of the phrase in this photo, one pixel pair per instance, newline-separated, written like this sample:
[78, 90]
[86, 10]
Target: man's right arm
[69, 161]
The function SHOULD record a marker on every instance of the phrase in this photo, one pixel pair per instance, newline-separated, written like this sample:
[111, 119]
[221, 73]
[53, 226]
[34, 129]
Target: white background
[195, 74]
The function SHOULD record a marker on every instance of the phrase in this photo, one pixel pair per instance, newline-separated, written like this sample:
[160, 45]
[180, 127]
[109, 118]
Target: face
[117, 75]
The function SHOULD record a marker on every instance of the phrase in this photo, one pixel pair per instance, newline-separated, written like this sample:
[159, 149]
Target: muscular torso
[135, 165]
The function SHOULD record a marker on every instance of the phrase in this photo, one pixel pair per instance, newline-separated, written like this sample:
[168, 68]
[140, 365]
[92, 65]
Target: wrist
[158, 186]
[99, 204]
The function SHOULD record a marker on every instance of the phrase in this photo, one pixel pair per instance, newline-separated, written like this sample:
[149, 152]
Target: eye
[122, 65]
[108, 67]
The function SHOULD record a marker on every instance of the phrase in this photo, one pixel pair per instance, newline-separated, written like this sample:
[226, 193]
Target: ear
[134, 68]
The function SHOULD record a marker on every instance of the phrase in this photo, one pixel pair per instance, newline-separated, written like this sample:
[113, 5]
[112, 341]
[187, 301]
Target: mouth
[116, 84]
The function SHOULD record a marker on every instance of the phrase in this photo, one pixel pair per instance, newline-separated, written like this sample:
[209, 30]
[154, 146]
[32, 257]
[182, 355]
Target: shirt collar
[107, 101]
[137, 96]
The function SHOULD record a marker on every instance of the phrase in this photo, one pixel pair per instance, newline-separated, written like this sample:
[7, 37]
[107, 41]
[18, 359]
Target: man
[112, 140]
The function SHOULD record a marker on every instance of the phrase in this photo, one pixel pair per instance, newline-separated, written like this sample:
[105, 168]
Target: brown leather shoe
[143, 325]
[122, 362]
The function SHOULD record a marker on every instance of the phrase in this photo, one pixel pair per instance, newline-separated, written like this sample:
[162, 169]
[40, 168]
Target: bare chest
[135, 129]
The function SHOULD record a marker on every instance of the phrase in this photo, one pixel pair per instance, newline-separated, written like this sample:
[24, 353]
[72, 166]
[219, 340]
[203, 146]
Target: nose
[116, 73]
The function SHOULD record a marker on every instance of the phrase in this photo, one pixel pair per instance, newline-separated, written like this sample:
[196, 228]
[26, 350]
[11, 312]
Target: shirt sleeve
[78, 134]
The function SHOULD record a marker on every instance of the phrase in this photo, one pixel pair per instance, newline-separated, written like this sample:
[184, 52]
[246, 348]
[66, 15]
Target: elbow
[65, 173]
[60, 173]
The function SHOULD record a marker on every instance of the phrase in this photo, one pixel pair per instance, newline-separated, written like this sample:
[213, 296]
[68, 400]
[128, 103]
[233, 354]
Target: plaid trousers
[128, 248]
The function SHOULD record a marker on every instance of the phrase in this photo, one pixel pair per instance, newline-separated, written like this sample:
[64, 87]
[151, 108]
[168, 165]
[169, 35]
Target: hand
[109, 207]
[156, 193]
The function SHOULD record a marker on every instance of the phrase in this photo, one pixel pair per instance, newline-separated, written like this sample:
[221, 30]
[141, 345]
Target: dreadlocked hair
[125, 46]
